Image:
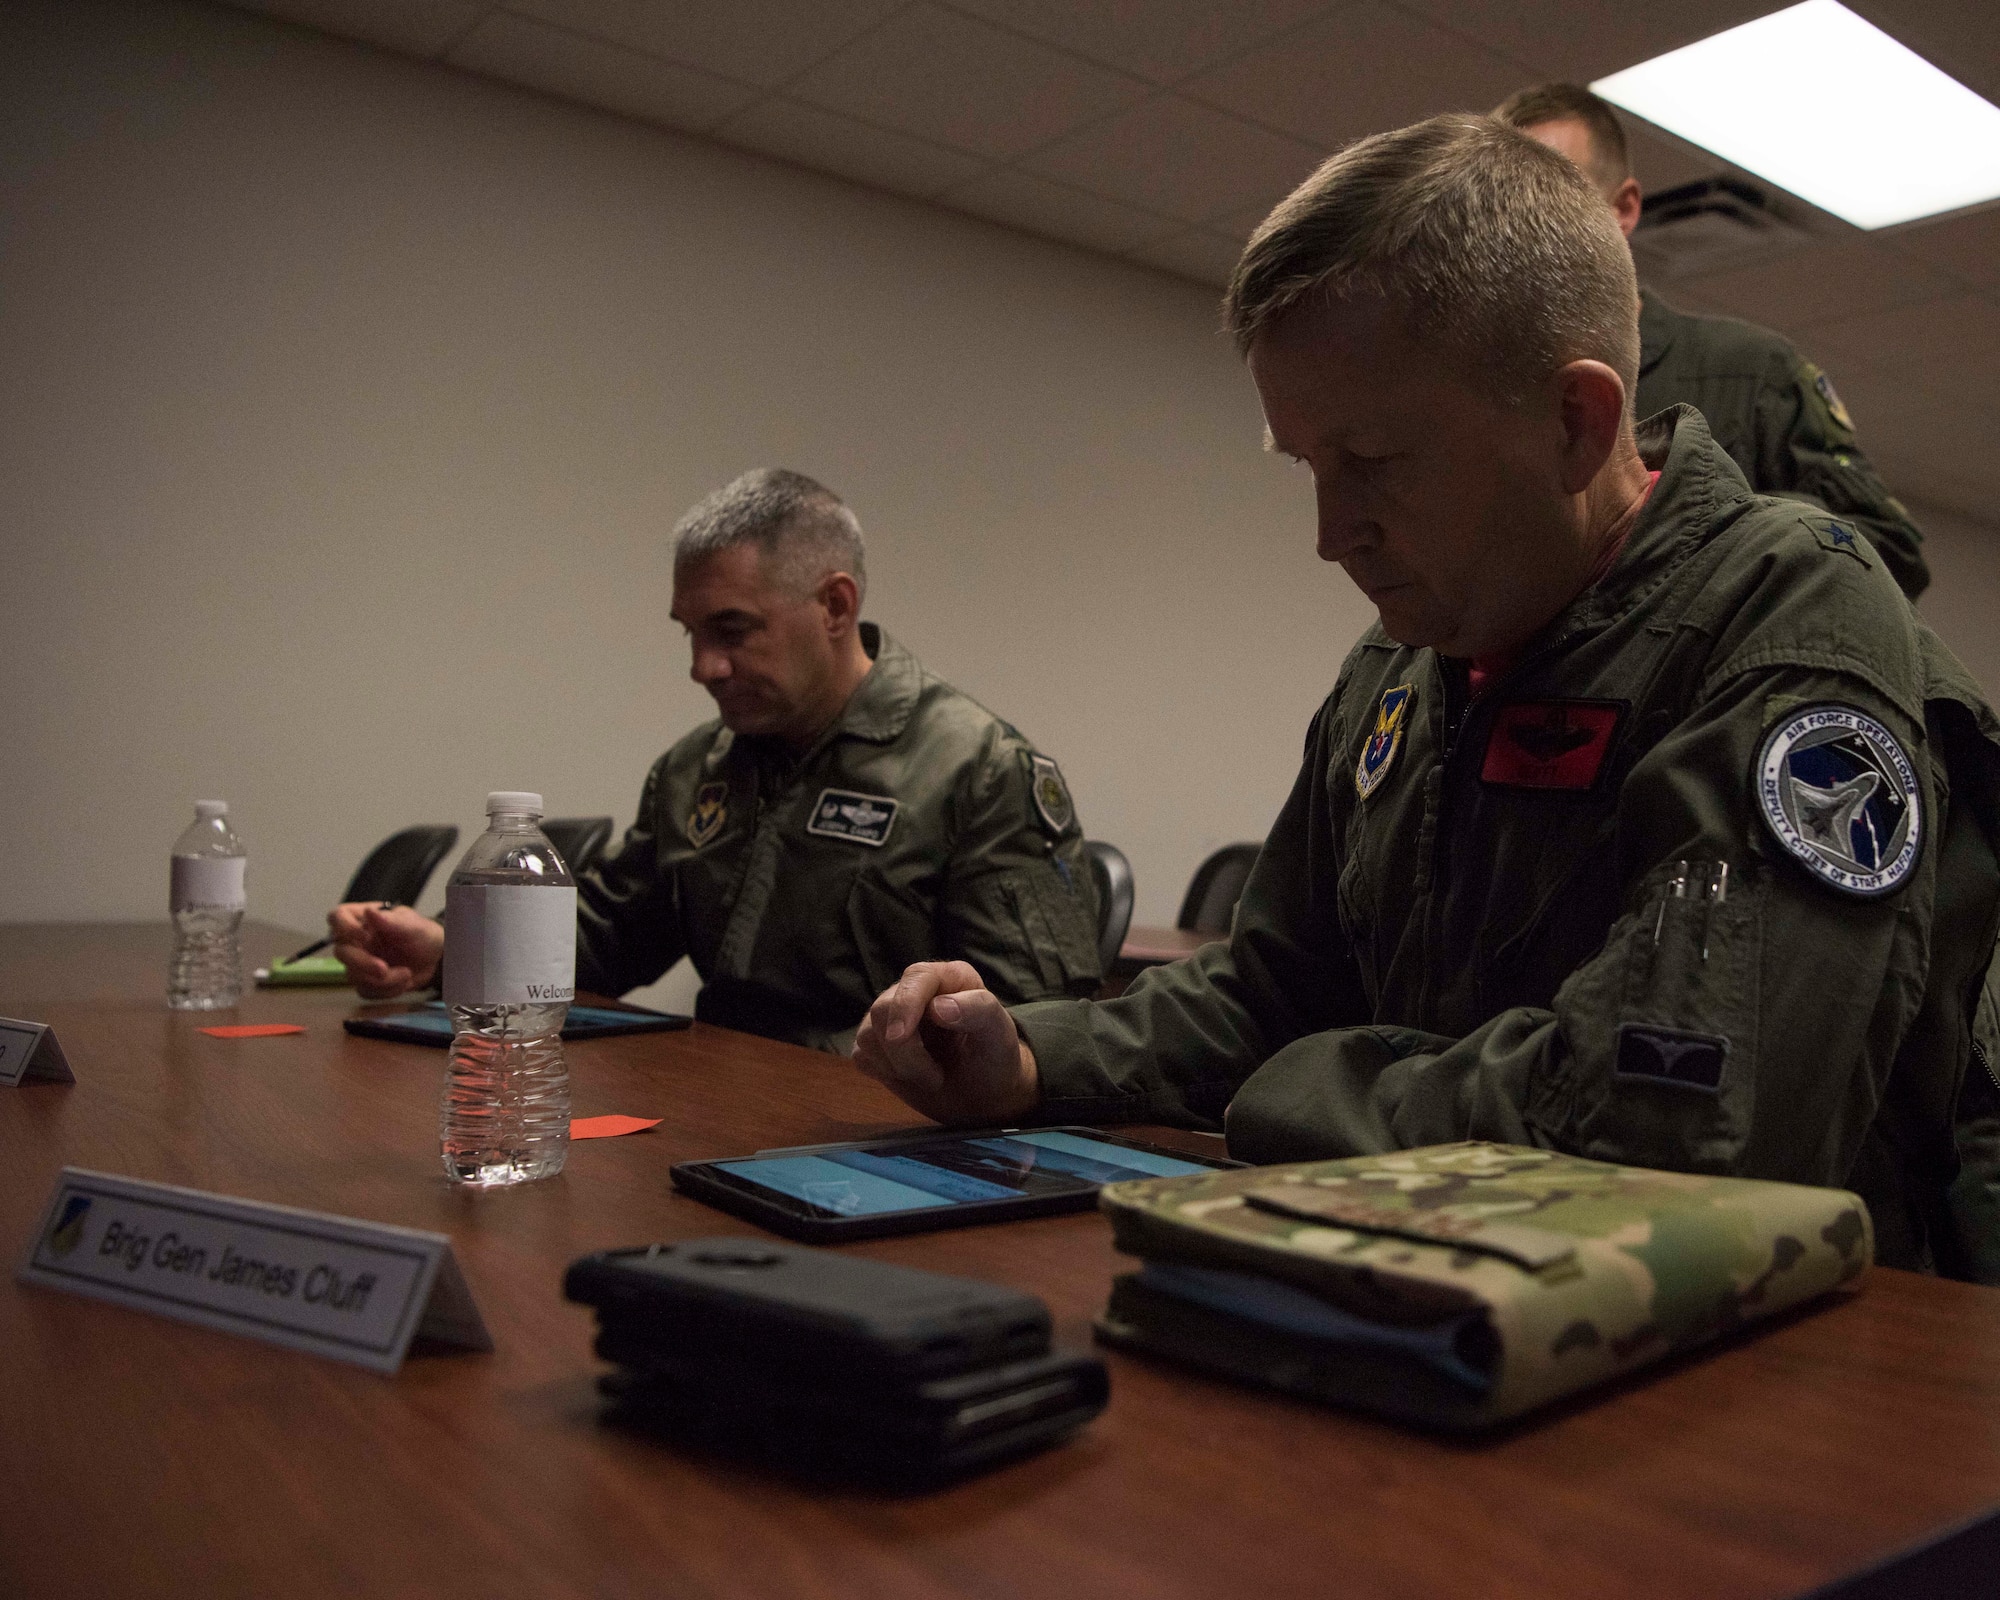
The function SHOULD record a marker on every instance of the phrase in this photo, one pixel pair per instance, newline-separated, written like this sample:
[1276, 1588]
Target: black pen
[318, 945]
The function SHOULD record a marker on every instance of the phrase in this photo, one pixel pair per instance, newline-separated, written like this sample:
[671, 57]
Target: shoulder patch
[859, 818]
[1838, 793]
[1823, 387]
[711, 811]
[1379, 753]
[1051, 795]
[1550, 744]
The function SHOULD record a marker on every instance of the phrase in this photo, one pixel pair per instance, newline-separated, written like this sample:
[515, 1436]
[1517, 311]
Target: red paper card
[609, 1127]
[253, 1030]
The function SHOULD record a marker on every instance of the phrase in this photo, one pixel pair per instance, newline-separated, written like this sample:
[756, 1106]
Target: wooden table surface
[1151, 947]
[142, 1457]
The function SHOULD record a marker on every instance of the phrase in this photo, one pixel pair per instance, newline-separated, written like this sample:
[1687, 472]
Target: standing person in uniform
[1648, 823]
[846, 814]
[1774, 412]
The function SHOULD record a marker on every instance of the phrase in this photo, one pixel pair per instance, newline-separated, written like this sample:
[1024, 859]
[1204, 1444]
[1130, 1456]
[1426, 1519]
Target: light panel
[1825, 104]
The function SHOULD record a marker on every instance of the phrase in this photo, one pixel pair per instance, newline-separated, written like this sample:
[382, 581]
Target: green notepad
[313, 972]
[1463, 1284]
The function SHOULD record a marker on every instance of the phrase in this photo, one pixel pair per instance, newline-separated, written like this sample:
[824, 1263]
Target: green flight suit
[1779, 419]
[919, 827]
[1488, 945]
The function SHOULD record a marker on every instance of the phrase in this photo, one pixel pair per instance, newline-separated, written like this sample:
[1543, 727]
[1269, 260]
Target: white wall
[1963, 601]
[345, 403]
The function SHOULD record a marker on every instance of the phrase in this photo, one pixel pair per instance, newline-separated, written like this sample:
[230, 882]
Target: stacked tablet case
[859, 1372]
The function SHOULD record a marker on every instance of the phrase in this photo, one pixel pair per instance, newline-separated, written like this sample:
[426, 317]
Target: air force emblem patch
[1052, 795]
[860, 818]
[711, 811]
[1379, 753]
[1838, 793]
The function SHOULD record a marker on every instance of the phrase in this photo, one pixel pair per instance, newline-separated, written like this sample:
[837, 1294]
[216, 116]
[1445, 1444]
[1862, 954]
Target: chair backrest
[578, 840]
[397, 869]
[1112, 874]
[1216, 887]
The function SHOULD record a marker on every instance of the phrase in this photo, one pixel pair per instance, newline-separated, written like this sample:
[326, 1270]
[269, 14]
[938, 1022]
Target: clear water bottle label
[509, 944]
[208, 881]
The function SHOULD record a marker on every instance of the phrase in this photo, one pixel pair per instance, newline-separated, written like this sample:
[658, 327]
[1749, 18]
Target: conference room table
[147, 1457]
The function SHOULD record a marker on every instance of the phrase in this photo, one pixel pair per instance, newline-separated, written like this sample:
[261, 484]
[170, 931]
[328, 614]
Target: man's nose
[1343, 529]
[710, 666]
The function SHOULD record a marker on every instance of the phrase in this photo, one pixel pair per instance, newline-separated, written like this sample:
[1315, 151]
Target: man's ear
[1591, 398]
[840, 596]
[1627, 201]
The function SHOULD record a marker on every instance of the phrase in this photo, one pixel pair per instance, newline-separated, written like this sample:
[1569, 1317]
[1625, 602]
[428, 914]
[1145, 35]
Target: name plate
[29, 1050]
[331, 1286]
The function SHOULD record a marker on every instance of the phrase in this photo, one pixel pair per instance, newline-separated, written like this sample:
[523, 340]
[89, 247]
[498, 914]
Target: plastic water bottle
[206, 898]
[509, 975]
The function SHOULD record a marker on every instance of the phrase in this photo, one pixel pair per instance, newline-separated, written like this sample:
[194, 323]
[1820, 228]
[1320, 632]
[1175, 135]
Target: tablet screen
[923, 1174]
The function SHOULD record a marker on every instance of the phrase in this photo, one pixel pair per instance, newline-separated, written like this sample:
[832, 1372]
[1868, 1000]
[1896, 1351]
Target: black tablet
[915, 1182]
[431, 1023]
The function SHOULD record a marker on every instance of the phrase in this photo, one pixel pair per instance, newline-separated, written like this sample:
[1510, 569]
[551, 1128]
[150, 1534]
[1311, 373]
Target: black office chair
[578, 840]
[1216, 887]
[1112, 874]
[397, 869]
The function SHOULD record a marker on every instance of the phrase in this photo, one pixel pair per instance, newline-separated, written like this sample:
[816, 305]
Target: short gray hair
[801, 528]
[1495, 250]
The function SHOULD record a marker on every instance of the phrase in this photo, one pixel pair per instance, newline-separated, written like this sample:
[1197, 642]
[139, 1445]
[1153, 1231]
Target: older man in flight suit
[1774, 412]
[847, 814]
[1649, 823]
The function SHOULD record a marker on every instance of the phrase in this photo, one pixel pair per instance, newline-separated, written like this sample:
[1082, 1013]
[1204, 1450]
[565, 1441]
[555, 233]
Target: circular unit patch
[1837, 791]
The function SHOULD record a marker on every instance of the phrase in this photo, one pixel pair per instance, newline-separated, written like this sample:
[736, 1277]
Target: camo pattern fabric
[1661, 1261]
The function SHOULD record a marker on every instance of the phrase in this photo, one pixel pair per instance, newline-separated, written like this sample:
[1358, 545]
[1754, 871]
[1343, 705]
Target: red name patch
[1550, 744]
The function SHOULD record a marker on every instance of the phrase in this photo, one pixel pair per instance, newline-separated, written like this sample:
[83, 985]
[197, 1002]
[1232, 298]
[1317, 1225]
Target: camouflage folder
[1463, 1284]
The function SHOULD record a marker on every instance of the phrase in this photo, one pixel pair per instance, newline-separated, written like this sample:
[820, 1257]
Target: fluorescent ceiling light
[1827, 105]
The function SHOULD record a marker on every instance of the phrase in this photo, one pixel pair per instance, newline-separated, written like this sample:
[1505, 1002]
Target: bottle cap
[513, 800]
[209, 810]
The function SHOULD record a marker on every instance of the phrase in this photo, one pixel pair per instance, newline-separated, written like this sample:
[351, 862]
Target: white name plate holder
[29, 1050]
[330, 1286]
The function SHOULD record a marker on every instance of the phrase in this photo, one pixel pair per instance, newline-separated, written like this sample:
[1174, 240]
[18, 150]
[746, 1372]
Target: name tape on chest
[1550, 744]
[1838, 793]
[330, 1286]
[858, 818]
[1392, 715]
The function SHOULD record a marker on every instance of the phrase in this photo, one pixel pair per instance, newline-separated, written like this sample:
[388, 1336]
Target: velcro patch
[1839, 793]
[1669, 1055]
[843, 814]
[1051, 795]
[1841, 536]
[1550, 744]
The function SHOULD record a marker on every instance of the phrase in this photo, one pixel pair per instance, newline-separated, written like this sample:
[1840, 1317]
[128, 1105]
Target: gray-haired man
[1649, 823]
[847, 814]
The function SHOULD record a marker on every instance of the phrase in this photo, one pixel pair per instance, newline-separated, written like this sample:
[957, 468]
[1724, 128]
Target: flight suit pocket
[1670, 1068]
[1061, 930]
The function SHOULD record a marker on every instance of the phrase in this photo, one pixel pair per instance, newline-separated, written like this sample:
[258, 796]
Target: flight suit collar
[881, 705]
[1699, 489]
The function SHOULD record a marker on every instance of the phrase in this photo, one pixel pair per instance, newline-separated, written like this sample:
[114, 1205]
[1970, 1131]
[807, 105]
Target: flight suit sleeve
[1750, 1034]
[628, 927]
[1018, 900]
[1177, 1044]
[1806, 450]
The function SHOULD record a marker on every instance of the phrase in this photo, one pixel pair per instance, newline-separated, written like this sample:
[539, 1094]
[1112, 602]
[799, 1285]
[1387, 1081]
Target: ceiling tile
[1183, 160]
[1961, 37]
[596, 73]
[1660, 161]
[763, 42]
[1197, 254]
[963, 83]
[1552, 39]
[837, 144]
[1968, 246]
[1041, 205]
[415, 27]
[1162, 40]
[1362, 70]
[1843, 278]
